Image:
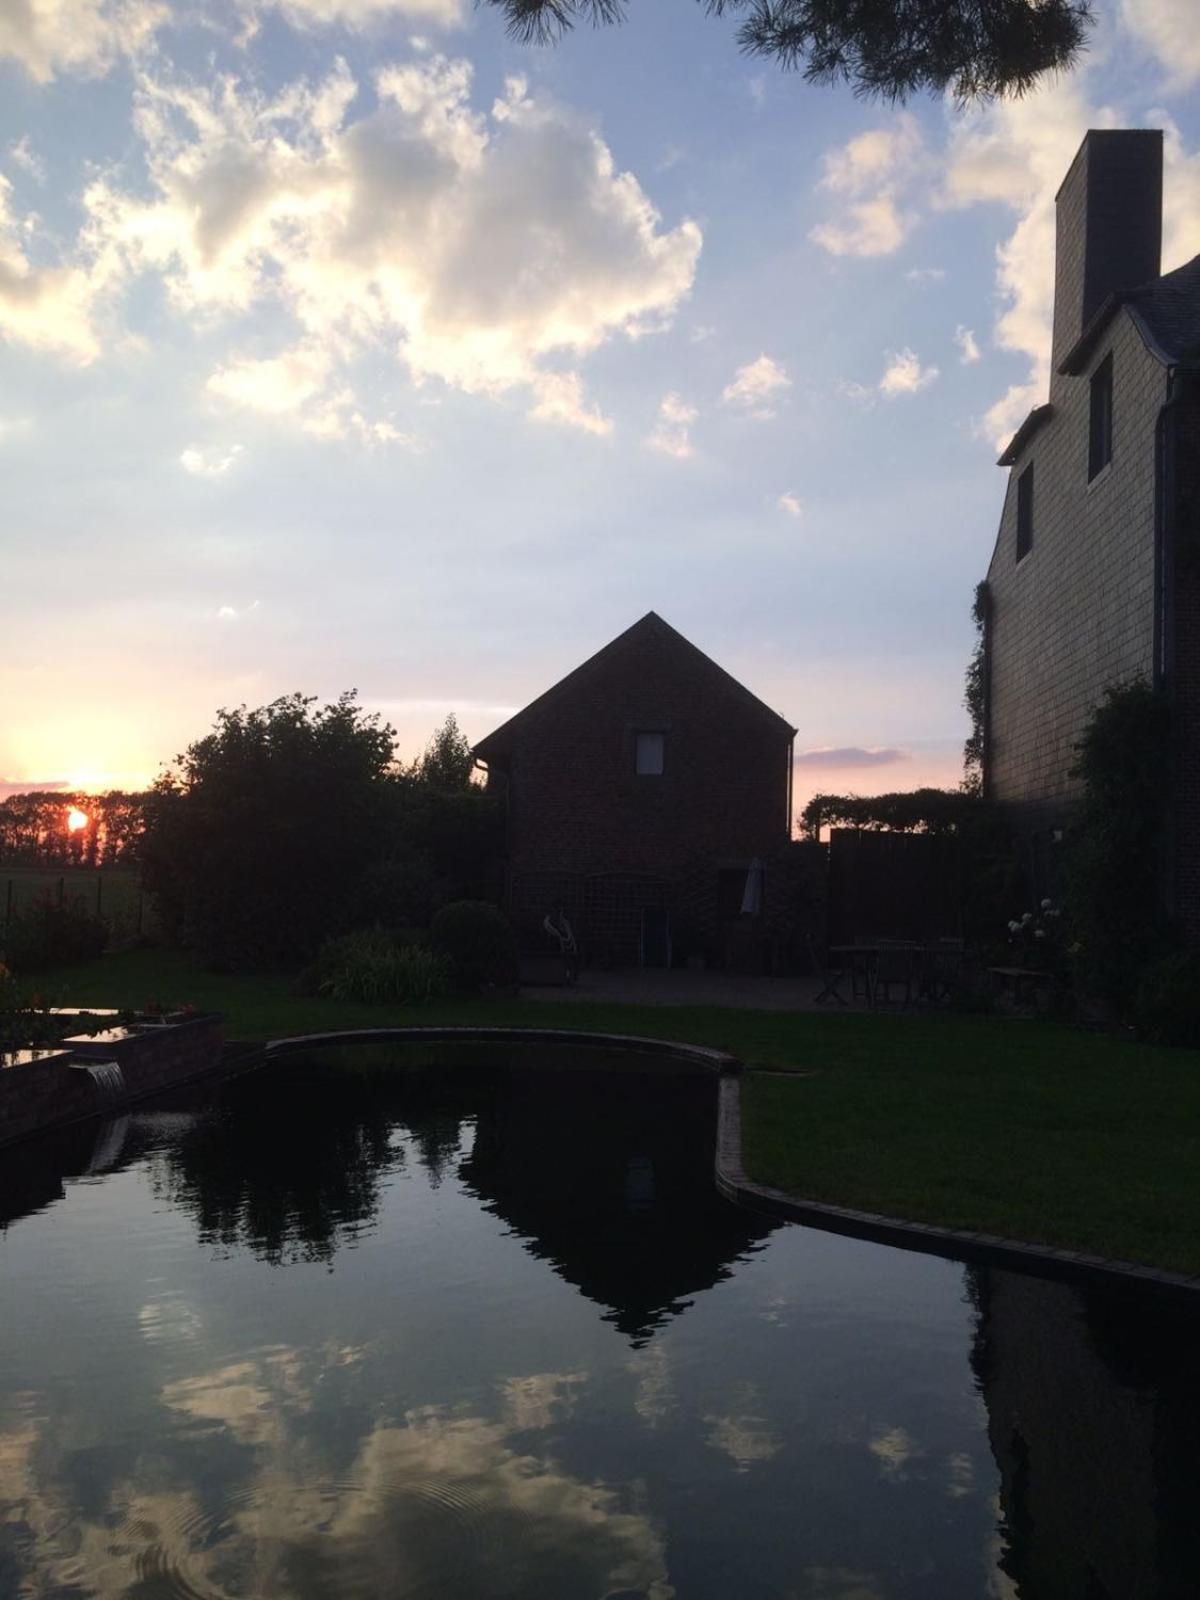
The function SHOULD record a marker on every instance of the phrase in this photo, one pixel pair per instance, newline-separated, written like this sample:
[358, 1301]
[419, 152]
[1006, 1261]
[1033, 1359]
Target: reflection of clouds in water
[774, 1309]
[246, 1397]
[839, 1583]
[539, 1400]
[655, 1397]
[169, 1317]
[742, 1433]
[894, 1450]
[437, 1502]
[960, 1475]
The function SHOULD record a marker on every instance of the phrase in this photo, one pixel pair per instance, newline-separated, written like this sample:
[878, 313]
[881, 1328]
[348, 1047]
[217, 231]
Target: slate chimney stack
[1109, 215]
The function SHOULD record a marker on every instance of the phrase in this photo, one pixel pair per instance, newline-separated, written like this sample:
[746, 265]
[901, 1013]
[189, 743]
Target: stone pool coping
[735, 1183]
[963, 1245]
[699, 1055]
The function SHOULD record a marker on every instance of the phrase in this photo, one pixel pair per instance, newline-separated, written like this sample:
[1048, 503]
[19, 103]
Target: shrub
[1167, 1008]
[50, 934]
[371, 965]
[1115, 844]
[478, 941]
[399, 892]
[25, 1017]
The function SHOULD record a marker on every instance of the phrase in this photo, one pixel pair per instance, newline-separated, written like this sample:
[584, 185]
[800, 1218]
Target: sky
[350, 344]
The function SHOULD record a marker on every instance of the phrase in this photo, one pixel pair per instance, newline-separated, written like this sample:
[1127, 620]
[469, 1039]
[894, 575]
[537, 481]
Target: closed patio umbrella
[752, 894]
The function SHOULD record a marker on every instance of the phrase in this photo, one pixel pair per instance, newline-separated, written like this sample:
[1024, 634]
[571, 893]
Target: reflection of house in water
[608, 1176]
[1093, 1401]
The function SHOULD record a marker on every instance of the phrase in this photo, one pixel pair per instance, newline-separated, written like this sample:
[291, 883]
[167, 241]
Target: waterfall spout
[108, 1078]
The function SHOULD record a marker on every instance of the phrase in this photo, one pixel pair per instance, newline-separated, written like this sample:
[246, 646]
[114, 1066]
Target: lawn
[112, 891]
[1020, 1128]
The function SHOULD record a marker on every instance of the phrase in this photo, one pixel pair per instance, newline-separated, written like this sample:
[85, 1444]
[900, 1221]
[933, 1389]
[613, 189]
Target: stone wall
[56, 1088]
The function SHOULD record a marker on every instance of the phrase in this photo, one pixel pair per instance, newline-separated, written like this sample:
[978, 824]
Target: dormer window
[649, 754]
[1100, 428]
[1025, 513]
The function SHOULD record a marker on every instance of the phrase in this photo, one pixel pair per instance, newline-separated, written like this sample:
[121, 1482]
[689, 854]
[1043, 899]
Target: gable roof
[1167, 314]
[496, 743]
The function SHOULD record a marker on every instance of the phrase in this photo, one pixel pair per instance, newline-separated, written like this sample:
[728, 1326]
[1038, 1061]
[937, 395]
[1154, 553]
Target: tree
[448, 761]
[887, 49]
[258, 843]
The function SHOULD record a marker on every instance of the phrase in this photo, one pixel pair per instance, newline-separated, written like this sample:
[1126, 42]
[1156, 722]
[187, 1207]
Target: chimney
[1109, 213]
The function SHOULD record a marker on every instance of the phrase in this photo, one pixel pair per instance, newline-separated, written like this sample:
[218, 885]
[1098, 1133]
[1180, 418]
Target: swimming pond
[462, 1323]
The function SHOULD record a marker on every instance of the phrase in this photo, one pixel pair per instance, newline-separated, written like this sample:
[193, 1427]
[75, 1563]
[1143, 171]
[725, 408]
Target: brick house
[1094, 579]
[639, 791]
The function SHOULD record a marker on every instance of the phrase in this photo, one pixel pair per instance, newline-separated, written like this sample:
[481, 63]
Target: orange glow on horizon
[77, 819]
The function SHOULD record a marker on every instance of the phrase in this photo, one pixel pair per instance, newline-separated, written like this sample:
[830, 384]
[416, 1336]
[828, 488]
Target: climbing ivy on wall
[975, 694]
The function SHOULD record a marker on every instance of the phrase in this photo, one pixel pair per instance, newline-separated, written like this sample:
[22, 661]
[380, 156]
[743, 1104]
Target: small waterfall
[110, 1141]
[108, 1078]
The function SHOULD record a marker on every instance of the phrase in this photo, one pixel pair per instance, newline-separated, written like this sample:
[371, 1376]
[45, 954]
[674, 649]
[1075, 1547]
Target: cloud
[82, 38]
[560, 399]
[754, 386]
[968, 346]
[904, 374]
[237, 613]
[672, 433]
[872, 227]
[869, 173]
[851, 756]
[1016, 154]
[364, 14]
[789, 503]
[12, 786]
[23, 155]
[212, 464]
[925, 275]
[1167, 28]
[46, 307]
[475, 248]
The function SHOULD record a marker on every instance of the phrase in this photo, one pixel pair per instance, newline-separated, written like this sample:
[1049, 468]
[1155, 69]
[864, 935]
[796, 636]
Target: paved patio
[659, 987]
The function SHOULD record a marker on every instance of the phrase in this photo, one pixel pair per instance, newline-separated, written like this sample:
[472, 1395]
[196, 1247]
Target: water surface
[350, 1328]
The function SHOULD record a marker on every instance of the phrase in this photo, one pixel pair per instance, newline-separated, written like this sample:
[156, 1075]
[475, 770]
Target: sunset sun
[76, 820]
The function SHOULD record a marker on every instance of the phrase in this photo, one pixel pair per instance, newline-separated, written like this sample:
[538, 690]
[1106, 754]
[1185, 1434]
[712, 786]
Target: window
[648, 755]
[1101, 420]
[1025, 512]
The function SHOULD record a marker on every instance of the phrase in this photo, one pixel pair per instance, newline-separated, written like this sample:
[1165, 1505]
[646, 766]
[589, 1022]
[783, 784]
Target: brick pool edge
[985, 1248]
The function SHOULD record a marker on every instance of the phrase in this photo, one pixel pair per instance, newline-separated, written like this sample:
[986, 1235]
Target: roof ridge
[650, 620]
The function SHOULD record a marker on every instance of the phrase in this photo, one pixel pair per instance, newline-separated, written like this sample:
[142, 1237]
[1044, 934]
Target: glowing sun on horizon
[76, 820]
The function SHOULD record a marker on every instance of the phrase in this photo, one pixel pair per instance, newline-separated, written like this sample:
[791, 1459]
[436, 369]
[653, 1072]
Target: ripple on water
[426, 1539]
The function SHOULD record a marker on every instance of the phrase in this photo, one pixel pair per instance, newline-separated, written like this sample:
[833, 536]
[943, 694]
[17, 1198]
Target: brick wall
[586, 829]
[1078, 612]
[42, 1093]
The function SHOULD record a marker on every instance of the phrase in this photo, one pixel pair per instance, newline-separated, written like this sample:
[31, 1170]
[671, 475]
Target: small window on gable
[649, 753]
[1025, 512]
[1100, 429]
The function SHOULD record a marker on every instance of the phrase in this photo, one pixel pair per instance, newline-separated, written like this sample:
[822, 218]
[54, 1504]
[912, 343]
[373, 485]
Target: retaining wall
[57, 1088]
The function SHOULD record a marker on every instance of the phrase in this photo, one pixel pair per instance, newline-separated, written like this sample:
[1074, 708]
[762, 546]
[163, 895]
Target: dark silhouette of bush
[50, 933]
[478, 941]
[1167, 1008]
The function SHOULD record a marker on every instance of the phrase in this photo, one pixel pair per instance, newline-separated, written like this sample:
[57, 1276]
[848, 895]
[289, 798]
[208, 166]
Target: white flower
[1039, 933]
[1046, 904]
[1014, 927]
[1028, 917]
[1054, 912]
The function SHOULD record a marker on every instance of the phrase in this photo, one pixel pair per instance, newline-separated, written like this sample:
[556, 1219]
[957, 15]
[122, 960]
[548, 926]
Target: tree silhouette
[887, 49]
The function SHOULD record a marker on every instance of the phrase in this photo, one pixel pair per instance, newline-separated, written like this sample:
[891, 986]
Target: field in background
[111, 892]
